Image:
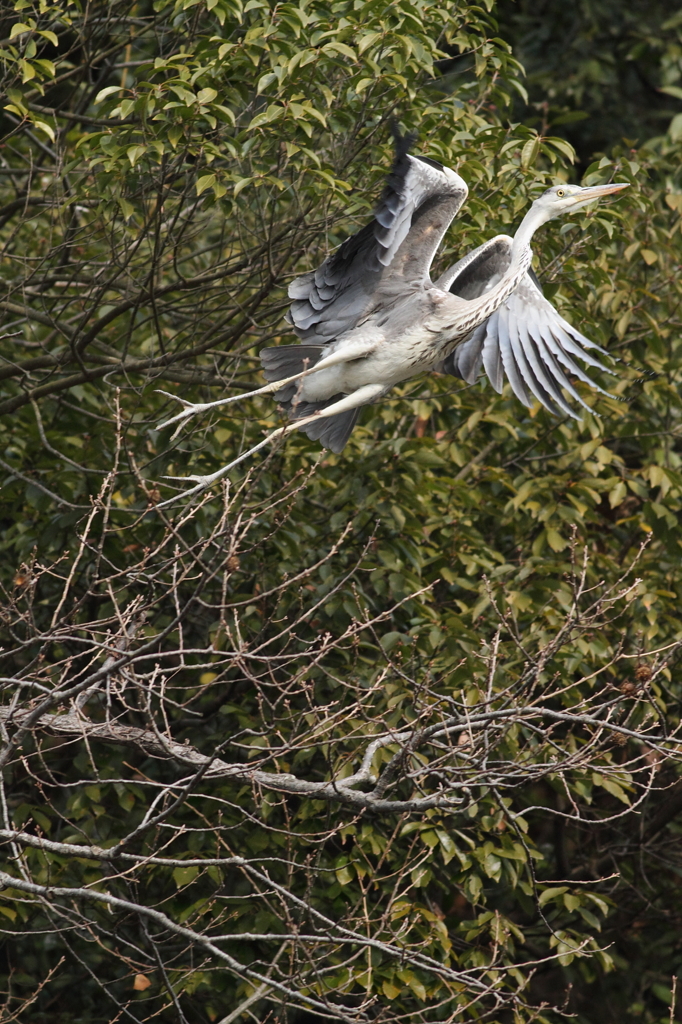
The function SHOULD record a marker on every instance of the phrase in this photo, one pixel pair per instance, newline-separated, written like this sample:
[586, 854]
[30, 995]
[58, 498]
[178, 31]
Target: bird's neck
[534, 219]
[521, 259]
[477, 310]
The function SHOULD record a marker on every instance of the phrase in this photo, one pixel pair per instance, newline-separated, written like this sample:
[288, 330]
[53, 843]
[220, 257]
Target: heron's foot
[191, 409]
[203, 482]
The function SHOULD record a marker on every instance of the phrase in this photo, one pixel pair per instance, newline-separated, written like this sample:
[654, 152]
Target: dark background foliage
[597, 70]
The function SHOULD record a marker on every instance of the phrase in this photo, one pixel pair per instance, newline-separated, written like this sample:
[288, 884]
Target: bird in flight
[370, 316]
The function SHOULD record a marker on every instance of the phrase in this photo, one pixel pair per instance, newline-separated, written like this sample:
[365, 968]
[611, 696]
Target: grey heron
[370, 316]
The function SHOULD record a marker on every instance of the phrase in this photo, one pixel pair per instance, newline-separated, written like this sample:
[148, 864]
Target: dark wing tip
[403, 143]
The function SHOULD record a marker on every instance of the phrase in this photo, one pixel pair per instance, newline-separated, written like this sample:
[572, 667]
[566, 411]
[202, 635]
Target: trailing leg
[353, 402]
[286, 357]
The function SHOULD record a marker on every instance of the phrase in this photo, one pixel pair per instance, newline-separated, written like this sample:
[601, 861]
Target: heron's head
[562, 199]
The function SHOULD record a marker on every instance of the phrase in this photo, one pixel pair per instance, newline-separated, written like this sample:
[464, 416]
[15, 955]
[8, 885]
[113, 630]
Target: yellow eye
[560, 193]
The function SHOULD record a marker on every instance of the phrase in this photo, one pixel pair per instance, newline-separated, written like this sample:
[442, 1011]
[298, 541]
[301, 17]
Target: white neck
[533, 220]
[473, 312]
[521, 257]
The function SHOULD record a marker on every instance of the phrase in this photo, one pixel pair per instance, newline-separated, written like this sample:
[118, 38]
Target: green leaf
[492, 865]
[474, 887]
[600, 902]
[530, 151]
[674, 201]
[45, 65]
[551, 894]
[363, 85]
[675, 128]
[611, 786]
[19, 28]
[134, 153]
[448, 846]
[127, 208]
[367, 40]
[240, 185]
[29, 72]
[273, 113]
[206, 181]
[109, 91]
[663, 992]
[565, 148]
[265, 81]
[390, 990]
[410, 979]
[184, 876]
[617, 493]
[344, 875]
[390, 640]
[555, 540]
[45, 127]
[421, 876]
[342, 48]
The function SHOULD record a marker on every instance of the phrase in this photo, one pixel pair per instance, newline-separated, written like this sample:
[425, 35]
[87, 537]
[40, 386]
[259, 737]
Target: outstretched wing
[419, 200]
[526, 338]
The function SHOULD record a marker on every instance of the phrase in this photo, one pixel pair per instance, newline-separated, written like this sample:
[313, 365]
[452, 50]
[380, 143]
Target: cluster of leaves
[604, 76]
[394, 742]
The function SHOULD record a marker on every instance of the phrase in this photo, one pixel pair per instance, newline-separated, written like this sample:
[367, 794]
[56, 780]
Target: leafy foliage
[608, 75]
[384, 735]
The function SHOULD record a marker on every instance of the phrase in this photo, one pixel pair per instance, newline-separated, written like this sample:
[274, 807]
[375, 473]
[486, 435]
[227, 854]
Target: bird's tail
[286, 361]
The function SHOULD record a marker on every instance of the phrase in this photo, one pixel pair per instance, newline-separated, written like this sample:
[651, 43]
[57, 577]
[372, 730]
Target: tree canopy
[380, 736]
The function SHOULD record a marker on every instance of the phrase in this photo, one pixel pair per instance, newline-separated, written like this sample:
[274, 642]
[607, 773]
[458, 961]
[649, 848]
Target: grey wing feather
[492, 361]
[470, 357]
[525, 336]
[469, 278]
[466, 360]
[529, 366]
[551, 381]
[419, 200]
[506, 328]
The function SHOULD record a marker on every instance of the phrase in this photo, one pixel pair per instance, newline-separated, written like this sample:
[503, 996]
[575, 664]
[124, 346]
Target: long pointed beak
[599, 191]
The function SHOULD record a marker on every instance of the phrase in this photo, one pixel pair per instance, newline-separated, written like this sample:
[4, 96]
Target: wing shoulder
[419, 194]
